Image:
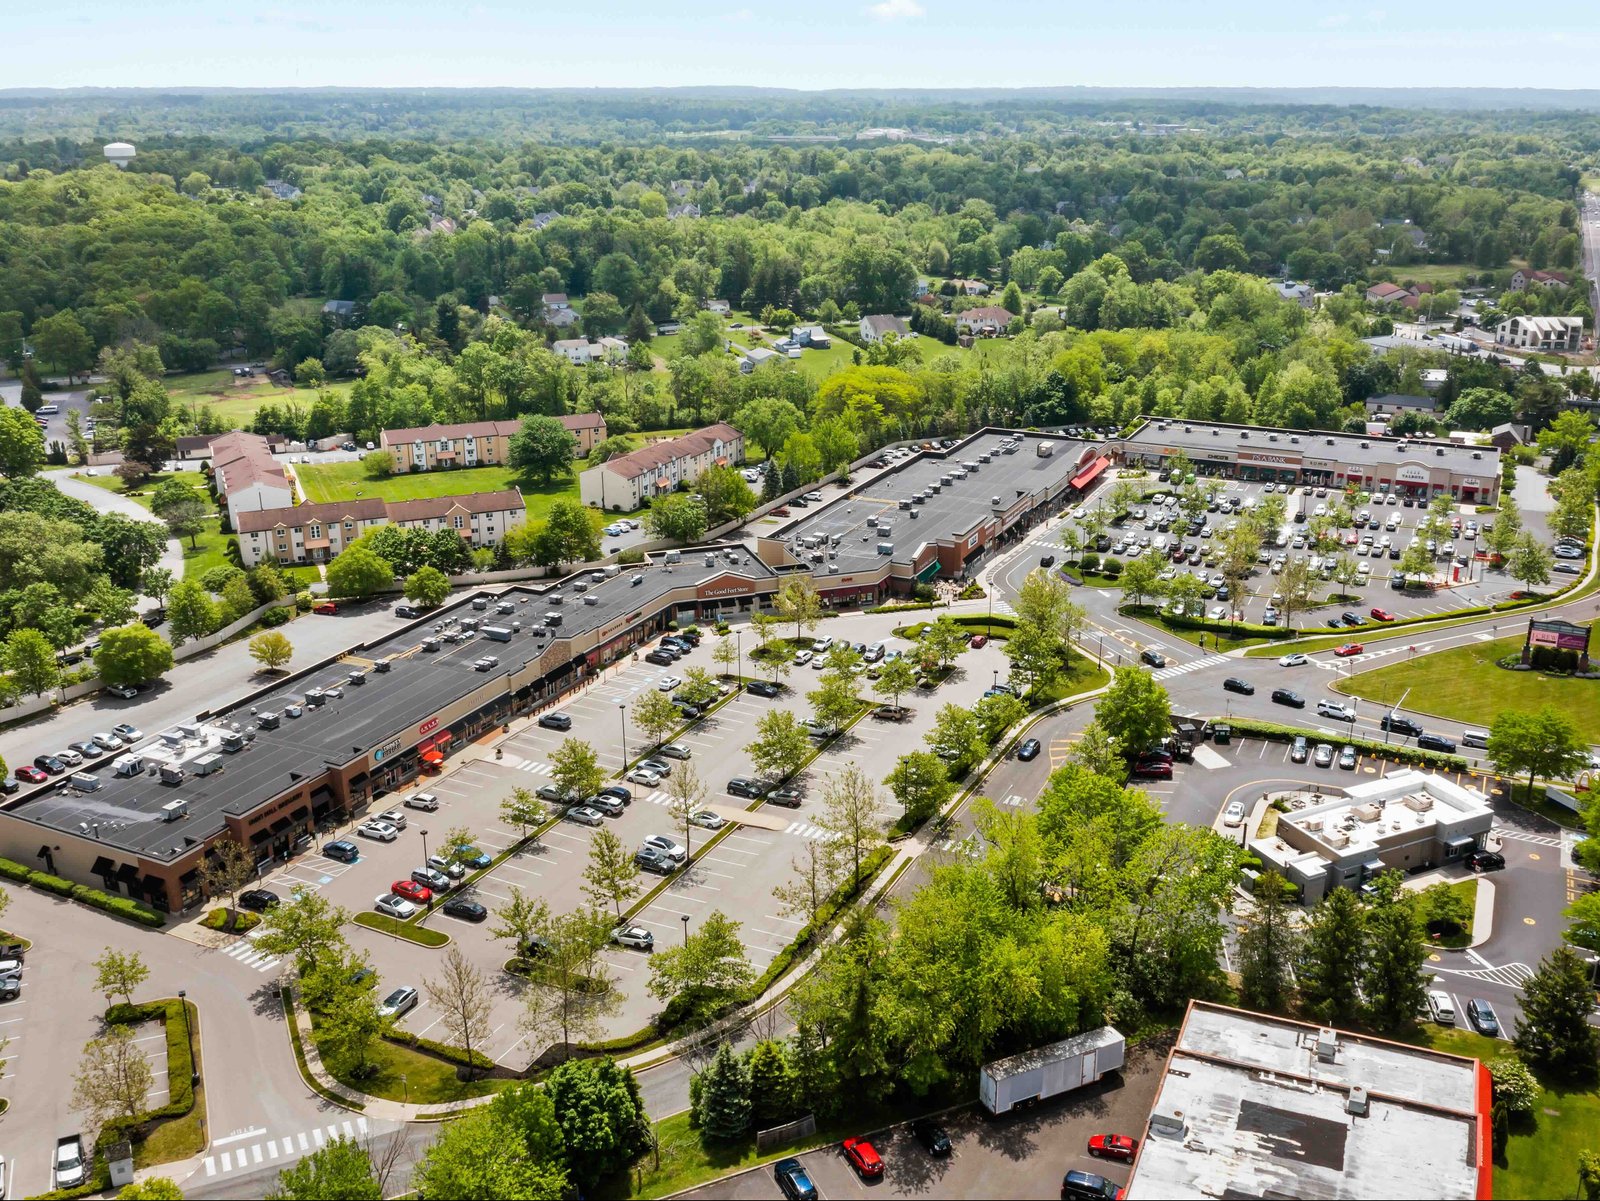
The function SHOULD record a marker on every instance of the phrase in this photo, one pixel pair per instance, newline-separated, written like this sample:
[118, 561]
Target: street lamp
[424, 834]
[738, 655]
[188, 1034]
[622, 716]
[684, 918]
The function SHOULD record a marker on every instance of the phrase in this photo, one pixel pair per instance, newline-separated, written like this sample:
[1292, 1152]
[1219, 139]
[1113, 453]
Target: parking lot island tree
[271, 649]
[523, 811]
[850, 815]
[428, 587]
[655, 716]
[307, 927]
[612, 876]
[814, 874]
[227, 867]
[1529, 561]
[797, 602]
[575, 769]
[571, 989]
[725, 654]
[708, 969]
[461, 996]
[921, 783]
[519, 919]
[895, 680]
[781, 745]
[945, 641]
[113, 1078]
[956, 736]
[687, 798]
[119, 974]
[1553, 1034]
[1135, 710]
[834, 701]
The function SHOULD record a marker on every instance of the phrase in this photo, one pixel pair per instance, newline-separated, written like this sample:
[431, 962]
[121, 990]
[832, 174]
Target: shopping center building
[1421, 468]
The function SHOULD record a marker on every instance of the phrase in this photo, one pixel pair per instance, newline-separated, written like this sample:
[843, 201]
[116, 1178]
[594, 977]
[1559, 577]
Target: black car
[1352, 619]
[617, 792]
[762, 688]
[1399, 725]
[660, 659]
[555, 721]
[746, 787]
[1153, 658]
[1284, 696]
[932, 1136]
[1242, 687]
[344, 852]
[49, 763]
[791, 1175]
[467, 911]
[1028, 750]
[691, 637]
[259, 900]
[1087, 1186]
[688, 708]
[1436, 742]
[1483, 1017]
[1478, 861]
[1047, 560]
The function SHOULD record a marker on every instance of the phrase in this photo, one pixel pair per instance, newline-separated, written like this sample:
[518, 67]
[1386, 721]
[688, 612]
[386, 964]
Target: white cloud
[895, 10]
[743, 14]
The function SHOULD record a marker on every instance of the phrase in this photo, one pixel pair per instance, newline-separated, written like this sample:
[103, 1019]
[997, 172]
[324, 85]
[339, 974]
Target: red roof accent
[1091, 472]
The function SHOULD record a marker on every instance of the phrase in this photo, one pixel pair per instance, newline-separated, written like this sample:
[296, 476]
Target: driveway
[109, 502]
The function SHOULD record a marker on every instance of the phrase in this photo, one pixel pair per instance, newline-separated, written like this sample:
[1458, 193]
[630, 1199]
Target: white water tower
[120, 153]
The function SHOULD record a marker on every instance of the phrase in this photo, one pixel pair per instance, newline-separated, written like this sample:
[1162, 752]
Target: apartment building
[318, 533]
[248, 478]
[1541, 333]
[629, 481]
[475, 443]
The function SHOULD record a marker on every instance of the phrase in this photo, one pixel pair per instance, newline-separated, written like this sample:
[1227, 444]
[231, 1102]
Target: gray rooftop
[1198, 438]
[126, 812]
[1248, 1108]
[958, 507]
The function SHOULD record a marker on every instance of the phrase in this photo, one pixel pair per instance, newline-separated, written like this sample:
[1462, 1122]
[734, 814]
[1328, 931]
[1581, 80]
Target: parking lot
[736, 875]
[1023, 1154]
[1386, 525]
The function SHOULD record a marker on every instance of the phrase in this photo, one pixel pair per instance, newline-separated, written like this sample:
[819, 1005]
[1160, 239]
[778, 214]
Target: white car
[70, 758]
[801, 658]
[643, 775]
[382, 831]
[669, 683]
[128, 734]
[1233, 815]
[426, 801]
[1294, 660]
[398, 1003]
[634, 936]
[822, 646]
[394, 817]
[708, 820]
[126, 691]
[393, 906]
[672, 850]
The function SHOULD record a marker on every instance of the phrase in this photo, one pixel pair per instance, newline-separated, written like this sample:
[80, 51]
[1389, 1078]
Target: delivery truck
[1049, 1071]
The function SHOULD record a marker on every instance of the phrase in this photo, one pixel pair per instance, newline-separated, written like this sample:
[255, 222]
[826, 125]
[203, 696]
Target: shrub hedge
[125, 907]
[1237, 629]
[180, 1065]
[405, 1038]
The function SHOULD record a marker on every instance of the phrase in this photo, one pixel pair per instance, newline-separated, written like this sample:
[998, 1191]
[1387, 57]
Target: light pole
[188, 1034]
[738, 655]
[424, 834]
[622, 716]
[684, 918]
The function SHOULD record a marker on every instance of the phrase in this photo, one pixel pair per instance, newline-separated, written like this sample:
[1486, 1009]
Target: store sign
[1471, 481]
[1250, 456]
[1562, 635]
[1412, 474]
[386, 750]
[428, 727]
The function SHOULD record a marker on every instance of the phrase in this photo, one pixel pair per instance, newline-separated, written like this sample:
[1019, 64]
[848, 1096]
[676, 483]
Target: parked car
[1382, 615]
[675, 851]
[793, 1180]
[392, 906]
[1299, 750]
[426, 801]
[585, 815]
[669, 683]
[978, 641]
[465, 909]
[618, 792]
[382, 831]
[1113, 1146]
[122, 691]
[633, 936]
[394, 817]
[1242, 687]
[50, 764]
[259, 900]
[707, 820]
[446, 866]
[410, 890]
[30, 775]
[87, 748]
[432, 878]
[1323, 755]
[1087, 1186]
[643, 775]
[933, 1137]
[789, 798]
[399, 1003]
[472, 856]
[555, 721]
[863, 1157]
[326, 607]
[651, 859]
[1483, 1018]
[762, 688]
[344, 852]
[1153, 769]
[746, 786]
[1348, 758]
[609, 805]
[1486, 861]
[674, 750]
[1441, 1008]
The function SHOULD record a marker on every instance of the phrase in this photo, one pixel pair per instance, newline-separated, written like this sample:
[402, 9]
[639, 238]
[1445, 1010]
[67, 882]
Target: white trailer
[1049, 1071]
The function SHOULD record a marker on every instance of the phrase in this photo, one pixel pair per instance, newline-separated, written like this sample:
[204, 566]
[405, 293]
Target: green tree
[1515, 1087]
[774, 1083]
[1097, 751]
[428, 587]
[1443, 910]
[357, 573]
[1332, 955]
[151, 1188]
[575, 768]
[461, 997]
[349, 1019]
[708, 969]
[944, 640]
[543, 447]
[523, 812]
[727, 496]
[1135, 710]
[377, 465]
[781, 745]
[492, 1154]
[726, 656]
[1543, 743]
[655, 716]
[1141, 578]
[21, 444]
[677, 516]
[1553, 1034]
[921, 783]
[308, 928]
[567, 536]
[31, 660]
[611, 876]
[1268, 947]
[519, 919]
[571, 991]
[834, 702]
[797, 601]
[997, 714]
[1392, 980]
[61, 341]
[850, 816]
[895, 679]
[132, 654]
[191, 612]
[119, 974]
[722, 1108]
[271, 649]
[1529, 560]
[601, 1115]
[157, 583]
[767, 422]
[114, 606]
[113, 1079]
[956, 736]
[337, 1171]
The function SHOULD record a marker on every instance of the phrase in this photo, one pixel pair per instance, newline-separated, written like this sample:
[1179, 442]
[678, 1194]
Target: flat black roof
[955, 510]
[126, 812]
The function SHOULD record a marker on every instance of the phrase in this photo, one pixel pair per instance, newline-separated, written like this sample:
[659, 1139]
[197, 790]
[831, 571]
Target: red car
[863, 1157]
[780, 511]
[1348, 649]
[1382, 615]
[1113, 1146]
[31, 775]
[1153, 769]
[417, 894]
[979, 640]
[325, 607]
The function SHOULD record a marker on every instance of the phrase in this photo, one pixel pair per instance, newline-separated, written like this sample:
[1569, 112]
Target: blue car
[1028, 750]
[471, 857]
[794, 1181]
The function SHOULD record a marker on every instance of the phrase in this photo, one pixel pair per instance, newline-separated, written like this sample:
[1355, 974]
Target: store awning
[128, 873]
[1090, 473]
[1461, 842]
[1373, 866]
[259, 837]
[928, 572]
[103, 867]
[154, 885]
[301, 813]
[282, 824]
[433, 757]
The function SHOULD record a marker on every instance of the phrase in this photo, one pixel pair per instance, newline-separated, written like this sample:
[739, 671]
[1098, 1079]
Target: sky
[812, 44]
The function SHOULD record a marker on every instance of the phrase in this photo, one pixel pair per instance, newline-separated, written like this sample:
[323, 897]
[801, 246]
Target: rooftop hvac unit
[1327, 1044]
[189, 729]
[1356, 1104]
[1368, 813]
[1439, 451]
[1272, 437]
[173, 810]
[1477, 454]
[1168, 1120]
[1420, 801]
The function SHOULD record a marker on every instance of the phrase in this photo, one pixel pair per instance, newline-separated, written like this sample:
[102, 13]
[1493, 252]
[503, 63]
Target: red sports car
[1382, 615]
[863, 1157]
[1113, 1146]
[31, 775]
[1348, 649]
[417, 894]
[979, 641]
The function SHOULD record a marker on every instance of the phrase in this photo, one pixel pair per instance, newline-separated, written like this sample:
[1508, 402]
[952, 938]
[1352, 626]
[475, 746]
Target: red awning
[1090, 473]
[433, 757]
[443, 738]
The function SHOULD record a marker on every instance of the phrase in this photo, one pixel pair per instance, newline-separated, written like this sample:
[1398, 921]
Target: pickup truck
[70, 1171]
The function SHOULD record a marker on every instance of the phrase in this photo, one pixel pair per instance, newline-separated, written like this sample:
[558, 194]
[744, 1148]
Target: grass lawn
[178, 1138]
[1082, 675]
[235, 401]
[411, 1077]
[1464, 683]
[141, 495]
[342, 481]
[1469, 890]
[210, 550]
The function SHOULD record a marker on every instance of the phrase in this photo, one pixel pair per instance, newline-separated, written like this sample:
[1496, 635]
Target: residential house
[1434, 378]
[1387, 293]
[1394, 403]
[923, 287]
[1541, 333]
[282, 190]
[475, 443]
[630, 481]
[667, 328]
[1233, 173]
[540, 220]
[874, 327]
[341, 312]
[754, 357]
[970, 287]
[577, 351]
[318, 533]
[1397, 228]
[716, 306]
[554, 301]
[1522, 279]
[1510, 434]
[562, 318]
[1300, 294]
[986, 321]
[198, 446]
[683, 210]
[813, 336]
[247, 476]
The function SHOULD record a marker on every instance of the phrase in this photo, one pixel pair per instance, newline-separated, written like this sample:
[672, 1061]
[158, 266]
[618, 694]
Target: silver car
[586, 815]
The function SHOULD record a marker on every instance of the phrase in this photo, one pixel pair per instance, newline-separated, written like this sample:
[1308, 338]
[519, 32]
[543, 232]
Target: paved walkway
[110, 502]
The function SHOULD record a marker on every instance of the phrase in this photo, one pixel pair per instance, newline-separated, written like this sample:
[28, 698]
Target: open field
[344, 481]
[1465, 684]
[235, 401]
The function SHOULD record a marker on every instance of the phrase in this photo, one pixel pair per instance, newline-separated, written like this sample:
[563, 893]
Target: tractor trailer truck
[1049, 1071]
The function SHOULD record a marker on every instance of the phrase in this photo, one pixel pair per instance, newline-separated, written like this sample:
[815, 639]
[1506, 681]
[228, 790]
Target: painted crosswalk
[1179, 669]
[531, 766]
[278, 1149]
[658, 797]
[806, 830]
[1512, 975]
[246, 952]
[1542, 840]
[1367, 656]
